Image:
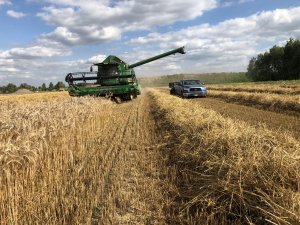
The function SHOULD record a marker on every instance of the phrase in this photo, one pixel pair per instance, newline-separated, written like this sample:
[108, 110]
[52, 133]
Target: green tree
[51, 86]
[279, 63]
[276, 63]
[10, 88]
[44, 88]
[33, 88]
[25, 86]
[291, 59]
[59, 85]
[252, 69]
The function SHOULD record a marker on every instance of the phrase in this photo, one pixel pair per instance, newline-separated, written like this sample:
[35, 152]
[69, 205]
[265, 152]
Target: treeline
[279, 63]
[11, 88]
[208, 78]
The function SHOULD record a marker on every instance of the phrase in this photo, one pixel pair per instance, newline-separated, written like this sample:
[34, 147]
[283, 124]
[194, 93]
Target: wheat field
[158, 159]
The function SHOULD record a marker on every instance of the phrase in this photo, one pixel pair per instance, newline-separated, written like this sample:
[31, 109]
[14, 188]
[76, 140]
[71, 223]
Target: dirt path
[133, 188]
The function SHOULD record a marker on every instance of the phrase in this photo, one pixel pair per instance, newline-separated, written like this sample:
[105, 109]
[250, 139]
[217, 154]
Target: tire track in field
[142, 185]
[132, 184]
[119, 121]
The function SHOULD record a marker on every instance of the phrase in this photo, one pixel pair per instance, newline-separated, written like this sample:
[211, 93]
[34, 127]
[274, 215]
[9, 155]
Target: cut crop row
[228, 172]
[262, 88]
[273, 102]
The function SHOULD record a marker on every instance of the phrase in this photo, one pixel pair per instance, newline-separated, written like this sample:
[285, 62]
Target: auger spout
[178, 50]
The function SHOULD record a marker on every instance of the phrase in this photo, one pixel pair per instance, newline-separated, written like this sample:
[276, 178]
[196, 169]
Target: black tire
[181, 94]
[130, 97]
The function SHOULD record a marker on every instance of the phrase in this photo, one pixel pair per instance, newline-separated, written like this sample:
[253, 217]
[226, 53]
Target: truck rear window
[191, 82]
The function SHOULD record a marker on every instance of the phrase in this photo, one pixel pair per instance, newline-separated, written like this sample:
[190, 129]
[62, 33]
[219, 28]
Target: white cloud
[5, 2]
[229, 45]
[34, 52]
[83, 22]
[15, 14]
[79, 22]
[82, 35]
[30, 64]
[229, 3]
[226, 46]
[96, 59]
[40, 70]
[8, 69]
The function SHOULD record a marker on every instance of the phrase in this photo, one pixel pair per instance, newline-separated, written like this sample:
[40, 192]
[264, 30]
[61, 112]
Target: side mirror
[91, 69]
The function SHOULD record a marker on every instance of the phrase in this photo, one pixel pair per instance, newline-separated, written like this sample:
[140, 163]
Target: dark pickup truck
[188, 88]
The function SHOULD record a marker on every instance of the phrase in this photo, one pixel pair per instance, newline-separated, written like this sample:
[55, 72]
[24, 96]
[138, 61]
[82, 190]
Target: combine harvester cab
[114, 78]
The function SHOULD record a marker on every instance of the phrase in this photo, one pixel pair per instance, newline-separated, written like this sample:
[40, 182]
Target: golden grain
[228, 168]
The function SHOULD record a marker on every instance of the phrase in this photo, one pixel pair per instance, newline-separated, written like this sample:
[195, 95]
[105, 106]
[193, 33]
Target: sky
[42, 41]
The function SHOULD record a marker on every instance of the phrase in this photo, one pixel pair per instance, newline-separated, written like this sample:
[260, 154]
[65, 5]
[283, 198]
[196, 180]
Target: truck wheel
[182, 96]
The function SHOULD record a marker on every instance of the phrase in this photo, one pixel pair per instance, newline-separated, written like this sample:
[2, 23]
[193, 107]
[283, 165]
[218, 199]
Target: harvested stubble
[260, 88]
[228, 171]
[49, 159]
[80, 161]
[289, 104]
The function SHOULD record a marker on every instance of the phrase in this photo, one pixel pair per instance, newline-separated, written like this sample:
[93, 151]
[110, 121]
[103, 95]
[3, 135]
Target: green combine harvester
[114, 79]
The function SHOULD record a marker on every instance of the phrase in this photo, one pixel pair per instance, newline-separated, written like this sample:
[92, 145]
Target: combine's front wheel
[128, 97]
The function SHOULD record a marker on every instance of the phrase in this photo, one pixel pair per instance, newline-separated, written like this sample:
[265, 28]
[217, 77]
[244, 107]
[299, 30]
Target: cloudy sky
[43, 40]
